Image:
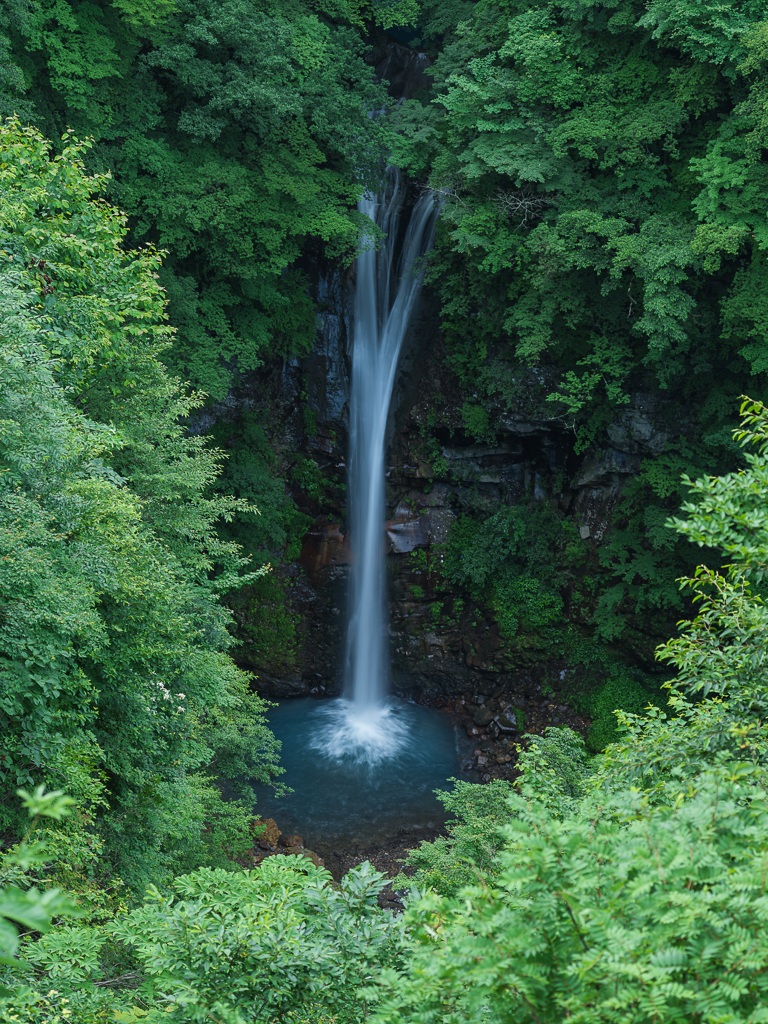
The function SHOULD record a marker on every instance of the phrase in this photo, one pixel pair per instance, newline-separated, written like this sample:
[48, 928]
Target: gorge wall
[442, 640]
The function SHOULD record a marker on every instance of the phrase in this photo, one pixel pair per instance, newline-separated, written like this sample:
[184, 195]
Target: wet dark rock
[483, 716]
[640, 427]
[324, 545]
[604, 468]
[291, 841]
[507, 722]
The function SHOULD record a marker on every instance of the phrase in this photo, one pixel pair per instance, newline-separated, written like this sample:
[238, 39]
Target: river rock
[507, 721]
[295, 841]
[483, 716]
[300, 851]
[270, 834]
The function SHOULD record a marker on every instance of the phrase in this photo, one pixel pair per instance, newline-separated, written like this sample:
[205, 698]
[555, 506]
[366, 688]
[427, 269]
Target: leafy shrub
[516, 559]
[626, 690]
[620, 911]
[273, 524]
[524, 604]
[556, 767]
[115, 677]
[478, 423]
[447, 864]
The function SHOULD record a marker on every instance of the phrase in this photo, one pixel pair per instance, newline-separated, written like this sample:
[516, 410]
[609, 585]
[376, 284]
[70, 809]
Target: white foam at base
[365, 734]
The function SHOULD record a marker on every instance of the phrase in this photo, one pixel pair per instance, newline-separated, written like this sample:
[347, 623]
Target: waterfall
[386, 290]
[389, 278]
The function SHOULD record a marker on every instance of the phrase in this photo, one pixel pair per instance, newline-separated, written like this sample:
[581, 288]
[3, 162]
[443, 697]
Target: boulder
[270, 834]
[406, 530]
[295, 841]
[507, 721]
[606, 467]
[639, 427]
[483, 716]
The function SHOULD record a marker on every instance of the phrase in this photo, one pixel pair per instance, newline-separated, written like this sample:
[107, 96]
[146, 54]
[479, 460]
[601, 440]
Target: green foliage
[265, 942]
[578, 150]
[272, 525]
[650, 913]
[628, 690]
[448, 864]
[306, 474]
[524, 603]
[516, 558]
[29, 908]
[267, 623]
[279, 942]
[556, 767]
[237, 135]
[478, 423]
[114, 676]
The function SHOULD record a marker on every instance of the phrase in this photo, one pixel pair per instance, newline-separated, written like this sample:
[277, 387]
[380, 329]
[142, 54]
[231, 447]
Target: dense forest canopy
[172, 176]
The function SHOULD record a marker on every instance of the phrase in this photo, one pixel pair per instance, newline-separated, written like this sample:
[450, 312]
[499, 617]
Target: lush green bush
[625, 689]
[278, 943]
[448, 864]
[516, 559]
[273, 526]
[555, 766]
[622, 911]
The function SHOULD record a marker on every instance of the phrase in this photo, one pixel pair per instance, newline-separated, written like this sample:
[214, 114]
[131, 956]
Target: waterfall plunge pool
[360, 778]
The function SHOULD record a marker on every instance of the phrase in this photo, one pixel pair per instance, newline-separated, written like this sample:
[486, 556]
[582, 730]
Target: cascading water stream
[366, 765]
[380, 326]
[388, 283]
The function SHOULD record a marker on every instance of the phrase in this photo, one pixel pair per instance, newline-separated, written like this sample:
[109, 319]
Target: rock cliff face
[436, 470]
